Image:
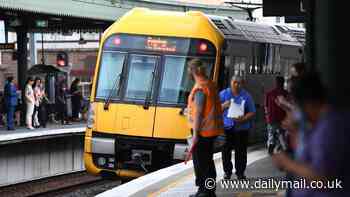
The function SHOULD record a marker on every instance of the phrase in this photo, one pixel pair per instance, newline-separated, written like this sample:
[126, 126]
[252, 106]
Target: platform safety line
[245, 194]
[177, 182]
[171, 185]
[181, 180]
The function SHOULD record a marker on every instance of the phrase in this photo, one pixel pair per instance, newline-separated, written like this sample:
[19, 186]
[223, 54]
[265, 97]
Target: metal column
[22, 63]
[330, 51]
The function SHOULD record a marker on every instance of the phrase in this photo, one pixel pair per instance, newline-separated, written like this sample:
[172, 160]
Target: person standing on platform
[323, 158]
[42, 114]
[61, 102]
[236, 128]
[274, 116]
[76, 99]
[38, 98]
[30, 101]
[205, 118]
[10, 95]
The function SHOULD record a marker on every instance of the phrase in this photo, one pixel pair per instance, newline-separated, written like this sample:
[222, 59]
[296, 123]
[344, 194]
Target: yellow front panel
[170, 124]
[135, 121]
[106, 119]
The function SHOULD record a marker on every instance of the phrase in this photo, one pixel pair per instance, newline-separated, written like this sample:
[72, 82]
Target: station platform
[178, 180]
[51, 131]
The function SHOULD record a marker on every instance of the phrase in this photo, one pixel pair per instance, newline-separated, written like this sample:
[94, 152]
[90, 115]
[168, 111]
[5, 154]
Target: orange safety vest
[212, 123]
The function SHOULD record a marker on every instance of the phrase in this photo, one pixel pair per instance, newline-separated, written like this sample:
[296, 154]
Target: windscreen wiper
[116, 85]
[149, 93]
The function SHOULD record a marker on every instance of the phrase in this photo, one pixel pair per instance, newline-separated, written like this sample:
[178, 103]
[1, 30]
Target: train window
[285, 64]
[141, 77]
[277, 68]
[176, 84]
[269, 58]
[110, 69]
[239, 65]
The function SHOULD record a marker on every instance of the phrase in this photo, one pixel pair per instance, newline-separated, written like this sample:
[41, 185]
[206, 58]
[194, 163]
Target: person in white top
[38, 97]
[30, 101]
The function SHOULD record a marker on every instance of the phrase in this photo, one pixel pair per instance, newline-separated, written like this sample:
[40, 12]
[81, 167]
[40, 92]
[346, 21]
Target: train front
[136, 120]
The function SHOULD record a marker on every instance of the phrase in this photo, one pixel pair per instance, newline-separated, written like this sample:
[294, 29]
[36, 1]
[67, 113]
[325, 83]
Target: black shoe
[200, 194]
[227, 176]
[241, 177]
[270, 149]
[212, 194]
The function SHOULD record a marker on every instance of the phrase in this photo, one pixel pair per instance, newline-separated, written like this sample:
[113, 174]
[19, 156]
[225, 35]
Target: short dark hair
[10, 78]
[29, 79]
[309, 88]
[279, 81]
[196, 64]
[300, 68]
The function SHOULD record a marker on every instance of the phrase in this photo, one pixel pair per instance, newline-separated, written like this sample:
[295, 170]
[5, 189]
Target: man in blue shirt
[10, 92]
[236, 129]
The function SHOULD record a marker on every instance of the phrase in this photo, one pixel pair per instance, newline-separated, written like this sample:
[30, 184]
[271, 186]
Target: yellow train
[140, 88]
[136, 121]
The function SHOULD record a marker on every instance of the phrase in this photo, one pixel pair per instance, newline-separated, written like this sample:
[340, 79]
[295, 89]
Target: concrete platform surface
[178, 180]
[51, 131]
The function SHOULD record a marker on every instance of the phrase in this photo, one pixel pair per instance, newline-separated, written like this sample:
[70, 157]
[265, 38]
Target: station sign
[6, 46]
[41, 23]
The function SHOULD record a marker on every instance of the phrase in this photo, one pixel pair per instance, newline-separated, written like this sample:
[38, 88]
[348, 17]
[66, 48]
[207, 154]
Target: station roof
[89, 14]
[66, 8]
[258, 32]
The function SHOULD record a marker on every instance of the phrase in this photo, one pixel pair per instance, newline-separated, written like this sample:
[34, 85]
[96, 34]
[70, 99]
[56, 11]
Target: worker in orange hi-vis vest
[205, 118]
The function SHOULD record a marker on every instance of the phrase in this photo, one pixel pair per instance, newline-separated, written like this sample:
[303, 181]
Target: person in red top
[274, 116]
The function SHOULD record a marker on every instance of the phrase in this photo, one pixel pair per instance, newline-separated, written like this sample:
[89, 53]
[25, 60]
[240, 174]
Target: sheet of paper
[235, 110]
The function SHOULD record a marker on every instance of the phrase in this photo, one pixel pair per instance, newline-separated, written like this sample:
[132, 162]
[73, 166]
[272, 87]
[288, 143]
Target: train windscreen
[176, 84]
[111, 67]
[135, 68]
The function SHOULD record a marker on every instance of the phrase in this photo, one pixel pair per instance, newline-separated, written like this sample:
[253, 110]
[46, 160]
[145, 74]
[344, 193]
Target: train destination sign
[159, 44]
[5, 46]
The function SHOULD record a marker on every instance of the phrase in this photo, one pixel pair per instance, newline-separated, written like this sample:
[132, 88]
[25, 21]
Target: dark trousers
[42, 115]
[76, 105]
[237, 140]
[10, 115]
[62, 112]
[203, 162]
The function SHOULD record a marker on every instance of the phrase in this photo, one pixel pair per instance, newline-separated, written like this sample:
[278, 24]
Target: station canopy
[59, 16]
[88, 15]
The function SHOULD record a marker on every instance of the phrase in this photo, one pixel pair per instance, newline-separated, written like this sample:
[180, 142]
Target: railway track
[75, 184]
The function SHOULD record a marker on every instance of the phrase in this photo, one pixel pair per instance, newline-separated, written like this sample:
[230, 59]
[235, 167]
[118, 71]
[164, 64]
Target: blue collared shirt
[249, 106]
[10, 92]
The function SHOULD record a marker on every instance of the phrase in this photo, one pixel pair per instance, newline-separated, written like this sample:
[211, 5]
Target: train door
[175, 86]
[136, 114]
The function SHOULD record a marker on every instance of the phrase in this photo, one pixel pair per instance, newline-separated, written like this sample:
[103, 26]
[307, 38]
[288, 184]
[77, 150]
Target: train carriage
[136, 121]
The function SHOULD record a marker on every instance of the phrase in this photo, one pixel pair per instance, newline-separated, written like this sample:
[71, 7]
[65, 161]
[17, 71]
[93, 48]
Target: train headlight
[101, 161]
[91, 116]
